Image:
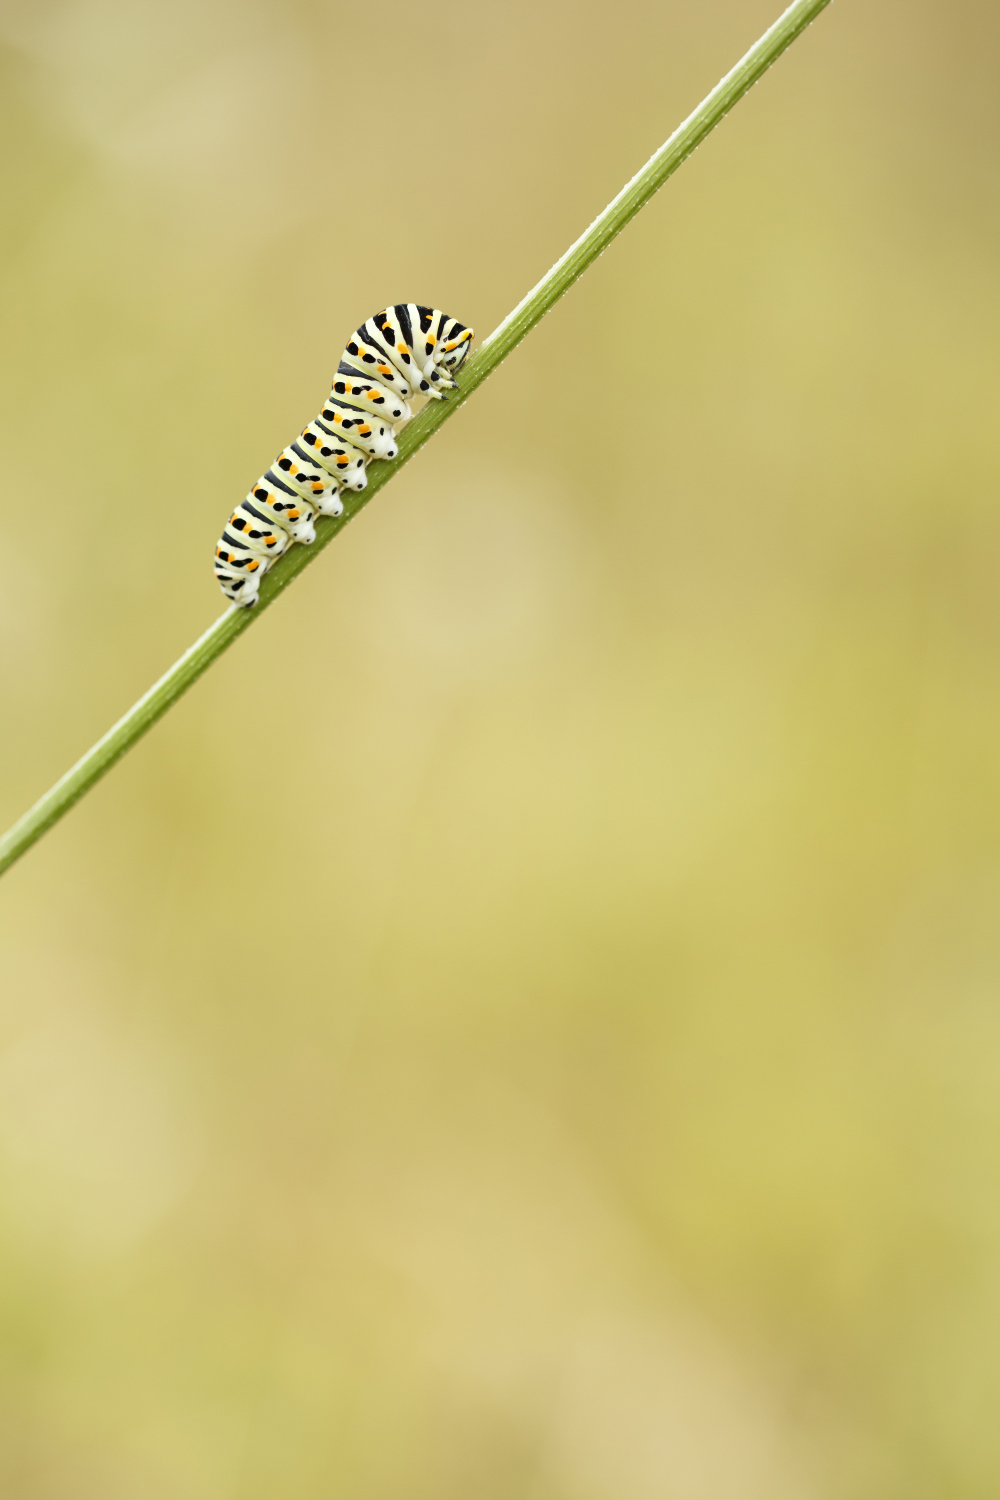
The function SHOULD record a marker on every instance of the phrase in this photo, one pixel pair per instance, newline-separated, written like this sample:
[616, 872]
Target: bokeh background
[528, 1023]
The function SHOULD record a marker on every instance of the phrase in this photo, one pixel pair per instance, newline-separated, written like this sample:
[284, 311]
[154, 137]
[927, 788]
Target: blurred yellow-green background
[528, 1023]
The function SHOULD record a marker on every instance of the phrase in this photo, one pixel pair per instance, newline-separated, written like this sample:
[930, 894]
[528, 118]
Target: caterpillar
[400, 352]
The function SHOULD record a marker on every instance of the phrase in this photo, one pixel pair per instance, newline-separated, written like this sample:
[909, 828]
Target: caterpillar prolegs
[402, 351]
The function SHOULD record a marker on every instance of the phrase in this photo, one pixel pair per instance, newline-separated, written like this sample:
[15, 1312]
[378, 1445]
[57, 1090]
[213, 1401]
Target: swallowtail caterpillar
[402, 351]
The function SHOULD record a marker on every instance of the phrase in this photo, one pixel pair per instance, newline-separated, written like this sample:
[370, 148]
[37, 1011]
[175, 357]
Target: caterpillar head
[454, 350]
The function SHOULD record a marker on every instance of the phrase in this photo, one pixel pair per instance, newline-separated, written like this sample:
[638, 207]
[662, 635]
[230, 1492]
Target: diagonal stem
[142, 715]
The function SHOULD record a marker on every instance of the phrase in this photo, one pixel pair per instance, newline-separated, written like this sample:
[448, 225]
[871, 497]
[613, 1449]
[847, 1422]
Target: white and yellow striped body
[403, 351]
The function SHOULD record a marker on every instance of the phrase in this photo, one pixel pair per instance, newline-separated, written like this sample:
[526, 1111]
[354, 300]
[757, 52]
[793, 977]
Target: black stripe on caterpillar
[403, 351]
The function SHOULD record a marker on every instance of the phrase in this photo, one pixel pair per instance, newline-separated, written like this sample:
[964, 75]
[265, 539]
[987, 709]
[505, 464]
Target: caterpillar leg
[332, 504]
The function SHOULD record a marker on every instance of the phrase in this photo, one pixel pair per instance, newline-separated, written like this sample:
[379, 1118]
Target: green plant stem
[142, 715]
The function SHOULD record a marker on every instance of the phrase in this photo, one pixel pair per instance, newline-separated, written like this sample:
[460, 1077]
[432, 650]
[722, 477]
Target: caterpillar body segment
[380, 370]
[363, 356]
[392, 330]
[336, 454]
[403, 351]
[371, 397]
[366, 432]
[237, 548]
[275, 503]
[308, 479]
[240, 588]
[242, 560]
